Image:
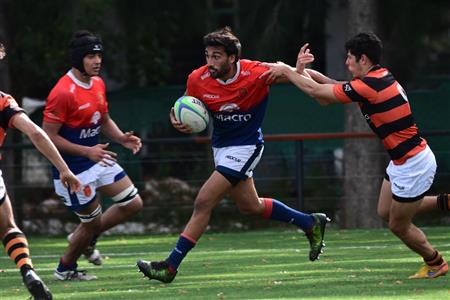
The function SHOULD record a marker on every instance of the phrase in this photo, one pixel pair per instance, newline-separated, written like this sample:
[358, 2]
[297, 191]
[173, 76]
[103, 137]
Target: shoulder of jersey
[201, 73]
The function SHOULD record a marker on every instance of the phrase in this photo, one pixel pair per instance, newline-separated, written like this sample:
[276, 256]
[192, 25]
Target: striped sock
[16, 245]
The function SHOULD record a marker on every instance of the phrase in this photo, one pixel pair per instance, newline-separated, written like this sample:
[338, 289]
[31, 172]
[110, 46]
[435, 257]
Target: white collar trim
[233, 79]
[78, 82]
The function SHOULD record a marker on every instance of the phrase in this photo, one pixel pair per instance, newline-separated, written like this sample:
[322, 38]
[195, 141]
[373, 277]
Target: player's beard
[219, 73]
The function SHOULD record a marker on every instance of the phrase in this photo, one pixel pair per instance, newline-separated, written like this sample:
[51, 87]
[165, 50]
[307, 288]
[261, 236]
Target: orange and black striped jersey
[385, 106]
[8, 108]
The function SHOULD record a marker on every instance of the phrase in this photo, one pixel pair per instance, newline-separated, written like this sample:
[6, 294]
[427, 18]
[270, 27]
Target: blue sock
[62, 267]
[184, 245]
[276, 210]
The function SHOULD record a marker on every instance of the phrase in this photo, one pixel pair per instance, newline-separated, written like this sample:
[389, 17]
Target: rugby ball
[191, 112]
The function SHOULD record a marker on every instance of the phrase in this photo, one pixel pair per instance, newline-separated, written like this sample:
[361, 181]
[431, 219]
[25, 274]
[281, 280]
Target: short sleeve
[338, 90]
[353, 91]
[191, 88]
[56, 107]
[9, 108]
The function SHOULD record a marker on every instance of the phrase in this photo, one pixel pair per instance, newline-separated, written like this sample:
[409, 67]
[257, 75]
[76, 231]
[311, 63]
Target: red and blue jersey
[237, 105]
[79, 108]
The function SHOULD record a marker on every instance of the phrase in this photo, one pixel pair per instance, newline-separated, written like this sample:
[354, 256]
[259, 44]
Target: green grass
[357, 264]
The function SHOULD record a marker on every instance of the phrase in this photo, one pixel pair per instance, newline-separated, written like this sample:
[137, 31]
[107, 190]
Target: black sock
[443, 202]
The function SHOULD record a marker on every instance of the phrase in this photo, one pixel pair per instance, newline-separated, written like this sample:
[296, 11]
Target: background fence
[169, 173]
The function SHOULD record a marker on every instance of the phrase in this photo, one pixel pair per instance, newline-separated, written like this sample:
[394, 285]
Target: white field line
[147, 254]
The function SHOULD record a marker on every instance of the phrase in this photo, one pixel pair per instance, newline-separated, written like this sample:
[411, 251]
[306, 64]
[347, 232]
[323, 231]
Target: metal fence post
[299, 173]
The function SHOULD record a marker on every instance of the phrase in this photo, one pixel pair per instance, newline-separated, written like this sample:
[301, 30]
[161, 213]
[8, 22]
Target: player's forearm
[319, 77]
[67, 147]
[112, 131]
[43, 143]
[304, 83]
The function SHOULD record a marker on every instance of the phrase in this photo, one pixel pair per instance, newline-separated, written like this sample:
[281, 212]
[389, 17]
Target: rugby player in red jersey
[15, 242]
[75, 114]
[237, 98]
[385, 106]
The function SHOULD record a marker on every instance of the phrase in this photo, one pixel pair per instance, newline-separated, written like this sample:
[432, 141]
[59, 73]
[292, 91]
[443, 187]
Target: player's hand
[276, 70]
[98, 153]
[132, 142]
[304, 57]
[69, 180]
[177, 124]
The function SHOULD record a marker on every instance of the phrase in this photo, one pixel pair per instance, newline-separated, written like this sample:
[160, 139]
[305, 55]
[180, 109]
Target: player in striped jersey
[15, 242]
[385, 106]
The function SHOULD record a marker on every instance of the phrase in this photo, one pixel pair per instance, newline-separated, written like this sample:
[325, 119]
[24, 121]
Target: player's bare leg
[117, 213]
[79, 241]
[248, 202]
[16, 245]
[114, 215]
[400, 223]
[428, 204]
[210, 194]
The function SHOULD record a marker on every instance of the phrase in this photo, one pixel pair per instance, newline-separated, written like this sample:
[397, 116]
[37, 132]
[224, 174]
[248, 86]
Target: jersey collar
[232, 79]
[78, 82]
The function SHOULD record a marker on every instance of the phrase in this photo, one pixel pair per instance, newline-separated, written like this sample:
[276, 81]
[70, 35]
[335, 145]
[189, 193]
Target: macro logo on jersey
[229, 108]
[91, 132]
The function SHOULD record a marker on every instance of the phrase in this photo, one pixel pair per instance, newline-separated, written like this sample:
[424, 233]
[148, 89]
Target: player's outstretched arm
[126, 139]
[43, 143]
[322, 93]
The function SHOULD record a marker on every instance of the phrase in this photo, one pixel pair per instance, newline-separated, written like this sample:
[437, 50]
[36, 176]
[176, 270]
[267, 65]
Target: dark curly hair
[224, 37]
[365, 43]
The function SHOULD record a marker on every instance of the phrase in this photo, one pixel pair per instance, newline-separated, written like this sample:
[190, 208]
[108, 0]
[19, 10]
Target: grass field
[357, 264]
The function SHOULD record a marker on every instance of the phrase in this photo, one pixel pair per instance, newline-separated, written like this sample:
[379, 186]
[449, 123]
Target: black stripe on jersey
[404, 147]
[379, 84]
[7, 114]
[352, 94]
[385, 106]
[398, 125]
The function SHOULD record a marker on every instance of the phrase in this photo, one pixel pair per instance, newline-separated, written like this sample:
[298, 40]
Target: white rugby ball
[191, 112]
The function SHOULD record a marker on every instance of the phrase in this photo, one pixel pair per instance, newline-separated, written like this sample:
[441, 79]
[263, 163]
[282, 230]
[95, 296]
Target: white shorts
[96, 176]
[237, 161]
[411, 180]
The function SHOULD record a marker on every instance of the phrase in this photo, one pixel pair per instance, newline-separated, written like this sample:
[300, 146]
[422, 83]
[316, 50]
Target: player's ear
[232, 58]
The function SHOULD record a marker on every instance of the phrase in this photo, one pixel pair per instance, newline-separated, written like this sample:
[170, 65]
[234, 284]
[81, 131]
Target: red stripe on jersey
[391, 115]
[338, 91]
[394, 139]
[387, 93]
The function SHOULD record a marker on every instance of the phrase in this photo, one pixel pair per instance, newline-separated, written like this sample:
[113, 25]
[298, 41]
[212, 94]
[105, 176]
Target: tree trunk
[363, 158]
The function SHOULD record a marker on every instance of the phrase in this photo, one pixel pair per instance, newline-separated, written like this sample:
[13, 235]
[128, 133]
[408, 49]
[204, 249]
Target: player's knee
[129, 198]
[383, 214]
[398, 228]
[249, 209]
[202, 204]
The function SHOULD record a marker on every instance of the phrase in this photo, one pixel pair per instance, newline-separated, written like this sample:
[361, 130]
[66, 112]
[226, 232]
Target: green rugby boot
[315, 236]
[157, 270]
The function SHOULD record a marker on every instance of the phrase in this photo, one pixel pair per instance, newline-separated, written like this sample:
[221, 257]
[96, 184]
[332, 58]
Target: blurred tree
[363, 162]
